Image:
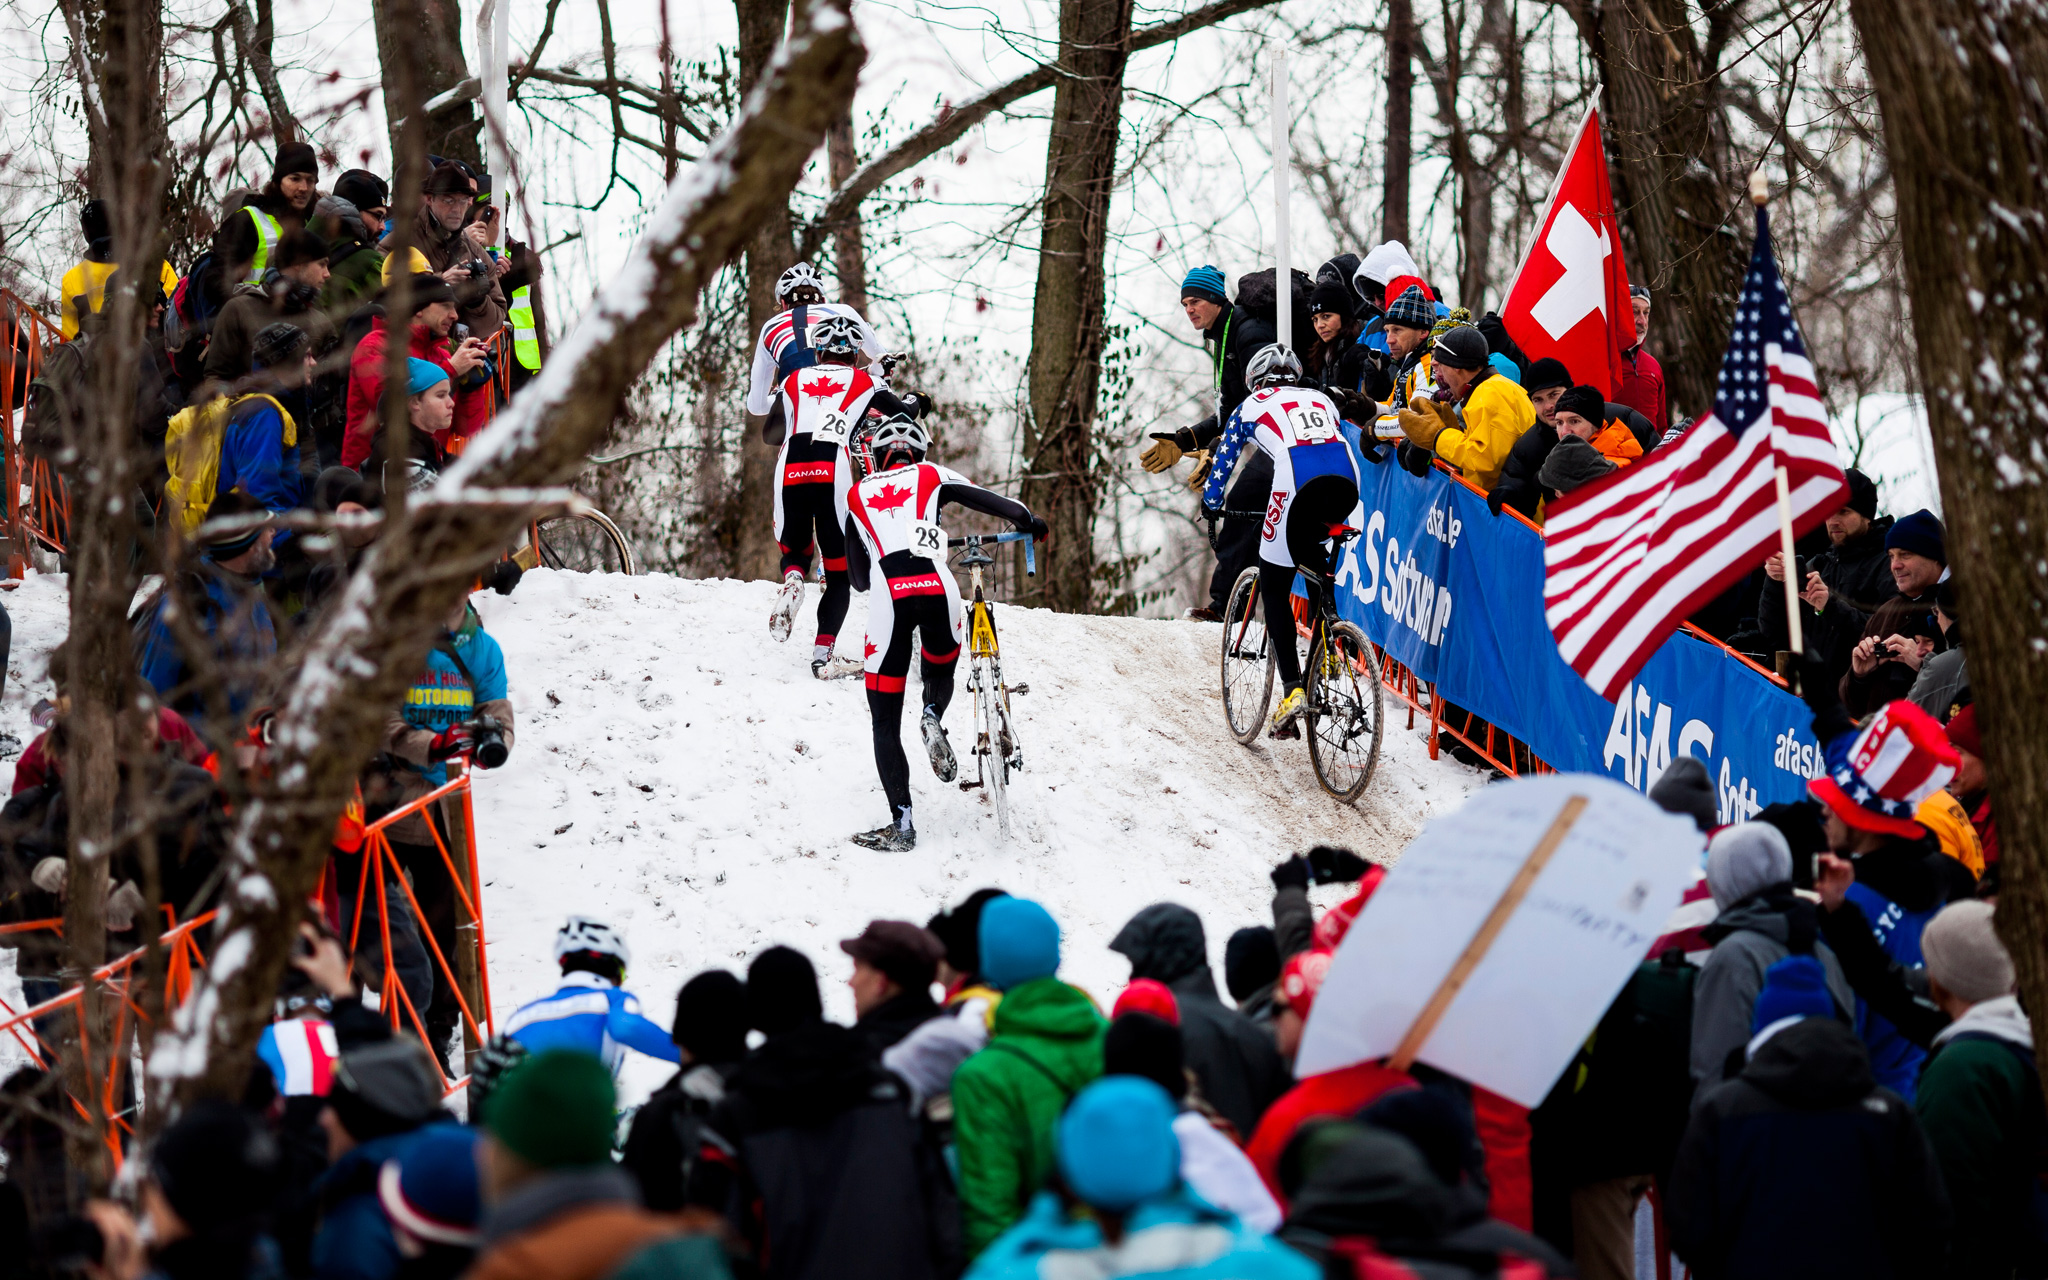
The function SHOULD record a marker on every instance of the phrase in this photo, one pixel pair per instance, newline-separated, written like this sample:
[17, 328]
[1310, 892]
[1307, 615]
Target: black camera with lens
[488, 747]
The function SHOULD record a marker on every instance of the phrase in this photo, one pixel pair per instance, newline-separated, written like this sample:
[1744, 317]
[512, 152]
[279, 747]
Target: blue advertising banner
[1456, 594]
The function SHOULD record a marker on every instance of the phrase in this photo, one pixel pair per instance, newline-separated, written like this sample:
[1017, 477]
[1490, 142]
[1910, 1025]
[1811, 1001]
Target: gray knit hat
[1746, 859]
[1963, 952]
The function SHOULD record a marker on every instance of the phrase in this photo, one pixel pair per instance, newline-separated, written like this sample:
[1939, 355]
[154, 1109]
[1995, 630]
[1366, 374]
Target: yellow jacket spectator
[1484, 417]
[84, 288]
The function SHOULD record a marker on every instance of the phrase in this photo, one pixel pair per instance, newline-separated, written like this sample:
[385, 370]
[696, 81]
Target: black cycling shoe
[937, 747]
[888, 839]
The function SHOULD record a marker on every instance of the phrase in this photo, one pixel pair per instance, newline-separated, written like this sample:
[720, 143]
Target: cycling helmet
[585, 934]
[801, 276]
[1272, 365]
[897, 434]
[836, 335]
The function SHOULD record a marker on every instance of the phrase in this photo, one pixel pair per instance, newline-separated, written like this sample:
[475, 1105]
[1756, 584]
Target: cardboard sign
[1539, 968]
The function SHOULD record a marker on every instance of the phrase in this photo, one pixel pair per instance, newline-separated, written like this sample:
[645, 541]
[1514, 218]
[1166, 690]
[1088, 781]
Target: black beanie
[1585, 401]
[97, 225]
[428, 290]
[711, 1017]
[1138, 1044]
[1440, 1127]
[216, 1165]
[1460, 347]
[1332, 296]
[277, 343]
[295, 157]
[1251, 959]
[782, 992]
[960, 930]
[363, 189]
[1544, 374]
[1862, 494]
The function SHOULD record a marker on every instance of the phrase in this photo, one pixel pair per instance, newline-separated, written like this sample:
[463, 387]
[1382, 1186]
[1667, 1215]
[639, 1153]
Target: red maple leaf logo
[888, 498]
[870, 650]
[821, 386]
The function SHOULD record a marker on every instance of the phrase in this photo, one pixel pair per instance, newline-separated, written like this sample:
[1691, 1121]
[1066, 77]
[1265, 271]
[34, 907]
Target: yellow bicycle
[997, 752]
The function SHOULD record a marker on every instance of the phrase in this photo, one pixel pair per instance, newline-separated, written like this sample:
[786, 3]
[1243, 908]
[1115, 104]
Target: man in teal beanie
[1045, 1047]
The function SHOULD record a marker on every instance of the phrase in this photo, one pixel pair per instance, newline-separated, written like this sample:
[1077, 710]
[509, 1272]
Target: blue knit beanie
[421, 374]
[1205, 282]
[1795, 987]
[1116, 1144]
[1019, 942]
[431, 1190]
[1412, 310]
[1921, 534]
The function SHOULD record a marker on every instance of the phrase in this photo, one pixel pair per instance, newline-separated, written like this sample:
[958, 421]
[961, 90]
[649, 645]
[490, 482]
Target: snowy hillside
[679, 774]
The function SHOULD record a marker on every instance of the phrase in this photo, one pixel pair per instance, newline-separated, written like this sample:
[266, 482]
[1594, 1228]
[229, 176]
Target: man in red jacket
[1642, 385]
[433, 317]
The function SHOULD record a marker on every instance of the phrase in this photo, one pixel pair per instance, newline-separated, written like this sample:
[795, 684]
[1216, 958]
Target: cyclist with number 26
[1315, 489]
[892, 527]
[816, 408]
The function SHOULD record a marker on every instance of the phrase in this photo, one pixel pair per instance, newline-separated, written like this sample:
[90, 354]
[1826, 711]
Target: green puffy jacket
[1046, 1046]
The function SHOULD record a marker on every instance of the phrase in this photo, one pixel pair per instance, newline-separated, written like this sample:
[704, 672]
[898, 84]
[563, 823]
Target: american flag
[1626, 558]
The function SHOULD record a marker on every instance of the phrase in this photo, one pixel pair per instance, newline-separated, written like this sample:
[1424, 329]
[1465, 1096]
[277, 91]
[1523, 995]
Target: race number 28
[927, 539]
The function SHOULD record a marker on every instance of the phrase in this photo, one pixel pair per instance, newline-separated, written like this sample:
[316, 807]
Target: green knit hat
[554, 1110]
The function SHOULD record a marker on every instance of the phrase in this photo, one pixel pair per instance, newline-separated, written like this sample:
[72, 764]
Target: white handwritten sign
[1587, 922]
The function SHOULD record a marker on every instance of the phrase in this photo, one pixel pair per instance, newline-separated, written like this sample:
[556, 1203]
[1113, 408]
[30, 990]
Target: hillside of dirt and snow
[679, 774]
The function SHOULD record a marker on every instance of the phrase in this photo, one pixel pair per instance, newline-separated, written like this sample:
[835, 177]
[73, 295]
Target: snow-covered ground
[681, 775]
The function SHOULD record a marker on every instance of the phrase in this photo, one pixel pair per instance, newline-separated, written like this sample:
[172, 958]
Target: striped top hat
[1877, 777]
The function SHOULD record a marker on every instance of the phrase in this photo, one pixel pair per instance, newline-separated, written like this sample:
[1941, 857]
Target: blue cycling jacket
[590, 1014]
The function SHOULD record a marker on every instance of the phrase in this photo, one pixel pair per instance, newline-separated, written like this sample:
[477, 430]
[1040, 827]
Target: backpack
[1257, 295]
[192, 444]
[56, 398]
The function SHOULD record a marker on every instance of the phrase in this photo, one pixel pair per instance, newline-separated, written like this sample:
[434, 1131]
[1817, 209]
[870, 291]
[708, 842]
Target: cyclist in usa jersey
[815, 409]
[785, 342]
[893, 531]
[1315, 489]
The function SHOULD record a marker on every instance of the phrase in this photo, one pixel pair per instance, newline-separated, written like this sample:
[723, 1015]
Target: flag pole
[1283, 267]
[1760, 195]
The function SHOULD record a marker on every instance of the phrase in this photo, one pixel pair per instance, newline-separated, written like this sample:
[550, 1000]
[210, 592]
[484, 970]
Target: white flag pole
[1795, 629]
[1283, 273]
[494, 53]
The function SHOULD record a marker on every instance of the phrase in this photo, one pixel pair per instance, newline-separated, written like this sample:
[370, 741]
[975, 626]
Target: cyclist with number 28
[1315, 489]
[892, 523]
[816, 408]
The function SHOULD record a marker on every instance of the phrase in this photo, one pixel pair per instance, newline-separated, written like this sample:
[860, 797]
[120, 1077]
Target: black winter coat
[815, 1156]
[888, 1022]
[1859, 578]
[1519, 486]
[1802, 1167]
[668, 1133]
[1235, 1060]
[1237, 335]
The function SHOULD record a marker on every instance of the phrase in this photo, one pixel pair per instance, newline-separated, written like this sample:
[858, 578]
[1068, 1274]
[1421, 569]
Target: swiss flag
[1570, 297]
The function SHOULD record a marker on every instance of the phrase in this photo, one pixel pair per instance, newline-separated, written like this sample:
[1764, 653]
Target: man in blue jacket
[589, 1012]
[260, 453]
[222, 595]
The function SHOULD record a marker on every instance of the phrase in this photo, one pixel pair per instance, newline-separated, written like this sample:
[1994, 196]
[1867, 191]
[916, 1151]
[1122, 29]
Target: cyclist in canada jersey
[1315, 489]
[815, 410]
[785, 342]
[589, 1012]
[892, 519]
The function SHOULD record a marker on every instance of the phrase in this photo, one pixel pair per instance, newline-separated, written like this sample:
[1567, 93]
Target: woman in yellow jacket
[1485, 415]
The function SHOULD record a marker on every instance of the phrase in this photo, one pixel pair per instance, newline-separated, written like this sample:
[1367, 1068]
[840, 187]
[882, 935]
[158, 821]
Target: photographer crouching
[457, 707]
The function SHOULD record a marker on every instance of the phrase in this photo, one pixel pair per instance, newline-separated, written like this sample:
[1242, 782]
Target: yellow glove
[1201, 474]
[1161, 456]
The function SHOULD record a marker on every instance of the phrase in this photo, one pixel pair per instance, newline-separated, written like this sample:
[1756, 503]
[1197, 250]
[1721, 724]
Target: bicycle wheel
[585, 544]
[1247, 664]
[1345, 717]
[992, 741]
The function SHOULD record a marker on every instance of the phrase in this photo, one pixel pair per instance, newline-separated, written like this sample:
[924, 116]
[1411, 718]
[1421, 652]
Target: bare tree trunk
[255, 36]
[119, 63]
[849, 251]
[769, 254]
[1062, 480]
[1958, 87]
[358, 662]
[1400, 154]
[1679, 201]
[430, 33]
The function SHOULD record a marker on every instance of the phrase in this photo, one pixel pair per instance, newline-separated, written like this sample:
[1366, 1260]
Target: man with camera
[456, 246]
[457, 707]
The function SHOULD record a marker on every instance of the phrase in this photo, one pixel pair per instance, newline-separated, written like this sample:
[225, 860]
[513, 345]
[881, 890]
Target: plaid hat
[907, 954]
[1151, 996]
[1413, 310]
[1920, 533]
[554, 1110]
[1205, 282]
[1862, 494]
[1877, 777]
[431, 1192]
[277, 344]
[295, 157]
[1583, 400]
[1460, 347]
[1545, 374]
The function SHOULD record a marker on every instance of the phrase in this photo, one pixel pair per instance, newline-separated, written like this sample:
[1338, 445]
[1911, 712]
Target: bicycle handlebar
[977, 539]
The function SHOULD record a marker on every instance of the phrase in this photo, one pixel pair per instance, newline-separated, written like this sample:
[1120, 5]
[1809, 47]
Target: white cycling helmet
[585, 934]
[1272, 365]
[836, 335]
[898, 433]
[801, 276]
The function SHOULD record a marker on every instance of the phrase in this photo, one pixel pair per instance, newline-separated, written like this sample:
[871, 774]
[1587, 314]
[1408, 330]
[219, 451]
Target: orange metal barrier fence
[45, 512]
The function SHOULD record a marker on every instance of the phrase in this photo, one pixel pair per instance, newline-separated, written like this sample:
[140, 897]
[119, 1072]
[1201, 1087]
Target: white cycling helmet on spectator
[582, 933]
[1272, 365]
[801, 276]
[835, 335]
[898, 434]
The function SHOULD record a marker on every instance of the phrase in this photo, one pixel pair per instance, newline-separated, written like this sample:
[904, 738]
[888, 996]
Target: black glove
[1336, 866]
[1414, 461]
[1496, 498]
[1037, 528]
[498, 1056]
[916, 402]
[1355, 408]
[1292, 873]
[503, 576]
